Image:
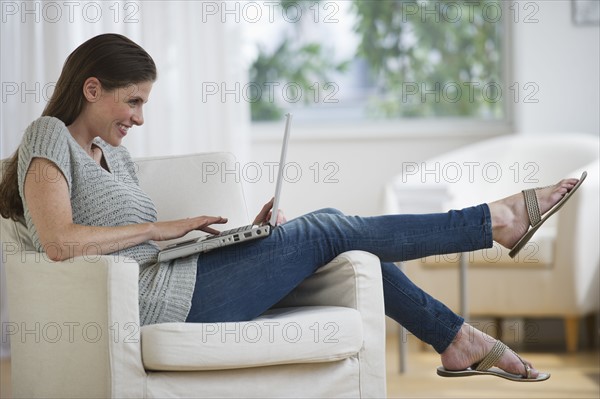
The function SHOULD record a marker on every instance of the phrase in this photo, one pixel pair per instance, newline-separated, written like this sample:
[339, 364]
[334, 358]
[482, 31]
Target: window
[380, 60]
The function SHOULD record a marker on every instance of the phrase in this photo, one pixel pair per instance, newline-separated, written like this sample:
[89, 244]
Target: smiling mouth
[123, 129]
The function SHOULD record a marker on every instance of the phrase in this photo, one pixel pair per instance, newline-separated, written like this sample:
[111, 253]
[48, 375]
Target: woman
[75, 186]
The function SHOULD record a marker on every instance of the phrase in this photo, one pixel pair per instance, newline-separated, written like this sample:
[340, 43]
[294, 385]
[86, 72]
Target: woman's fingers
[207, 221]
[210, 230]
[263, 215]
[281, 219]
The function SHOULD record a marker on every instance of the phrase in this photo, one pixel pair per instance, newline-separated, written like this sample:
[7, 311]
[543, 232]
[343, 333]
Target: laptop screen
[286, 135]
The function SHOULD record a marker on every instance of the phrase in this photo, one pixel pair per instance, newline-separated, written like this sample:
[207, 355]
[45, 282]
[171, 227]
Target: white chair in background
[557, 274]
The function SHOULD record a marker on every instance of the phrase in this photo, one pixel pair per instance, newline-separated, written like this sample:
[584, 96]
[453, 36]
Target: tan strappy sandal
[486, 367]
[535, 219]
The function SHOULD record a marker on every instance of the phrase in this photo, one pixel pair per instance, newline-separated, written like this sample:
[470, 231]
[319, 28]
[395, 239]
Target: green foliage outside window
[427, 58]
[303, 65]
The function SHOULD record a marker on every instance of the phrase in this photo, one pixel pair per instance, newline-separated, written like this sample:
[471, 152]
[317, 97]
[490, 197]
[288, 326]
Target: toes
[532, 372]
[568, 183]
[549, 196]
[519, 366]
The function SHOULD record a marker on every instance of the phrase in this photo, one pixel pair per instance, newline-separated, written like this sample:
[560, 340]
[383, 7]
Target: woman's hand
[178, 228]
[265, 213]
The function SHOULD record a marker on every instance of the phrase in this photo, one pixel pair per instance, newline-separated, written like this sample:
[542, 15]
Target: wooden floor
[573, 376]
[5, 379]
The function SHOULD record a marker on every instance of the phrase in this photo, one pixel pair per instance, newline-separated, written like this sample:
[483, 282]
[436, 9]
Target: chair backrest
[501, 166]
[193, 185]
[498, 167]
[181, 186]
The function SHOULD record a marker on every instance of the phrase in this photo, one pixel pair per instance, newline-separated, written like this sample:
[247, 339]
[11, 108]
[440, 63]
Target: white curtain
[195, 52]
[196, 104]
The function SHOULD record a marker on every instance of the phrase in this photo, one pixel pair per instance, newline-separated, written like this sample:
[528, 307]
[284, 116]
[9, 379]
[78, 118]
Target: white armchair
[557, 273]
[74, 325]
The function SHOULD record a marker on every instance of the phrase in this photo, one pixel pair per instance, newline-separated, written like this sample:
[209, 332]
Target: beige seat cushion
[281, 336]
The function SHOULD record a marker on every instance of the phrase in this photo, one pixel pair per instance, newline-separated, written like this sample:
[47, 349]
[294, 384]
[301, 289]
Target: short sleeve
[46, 137]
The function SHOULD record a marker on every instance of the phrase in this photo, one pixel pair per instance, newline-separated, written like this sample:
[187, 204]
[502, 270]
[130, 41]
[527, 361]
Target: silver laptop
[239, 234]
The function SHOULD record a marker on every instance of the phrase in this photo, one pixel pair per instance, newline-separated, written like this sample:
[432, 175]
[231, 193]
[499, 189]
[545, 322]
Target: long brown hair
[115, 61]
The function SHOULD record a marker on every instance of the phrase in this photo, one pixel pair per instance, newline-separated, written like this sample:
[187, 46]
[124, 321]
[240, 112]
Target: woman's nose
[138, 117]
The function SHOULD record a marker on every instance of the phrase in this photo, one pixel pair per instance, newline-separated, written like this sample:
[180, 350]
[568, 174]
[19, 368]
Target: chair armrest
[74, 326]
[353, 279]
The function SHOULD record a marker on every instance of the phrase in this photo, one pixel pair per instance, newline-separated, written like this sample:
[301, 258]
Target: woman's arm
[50, 209]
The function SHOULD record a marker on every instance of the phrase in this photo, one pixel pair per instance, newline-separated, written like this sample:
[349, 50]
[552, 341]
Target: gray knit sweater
[110, 198]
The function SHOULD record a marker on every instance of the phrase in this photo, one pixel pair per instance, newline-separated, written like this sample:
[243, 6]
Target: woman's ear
[92, 89]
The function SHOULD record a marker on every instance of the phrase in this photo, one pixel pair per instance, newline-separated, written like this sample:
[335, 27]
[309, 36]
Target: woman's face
[118, 110]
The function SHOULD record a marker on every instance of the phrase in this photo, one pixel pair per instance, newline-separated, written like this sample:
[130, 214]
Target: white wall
[564, 61]
[360, 168]
[560, 58]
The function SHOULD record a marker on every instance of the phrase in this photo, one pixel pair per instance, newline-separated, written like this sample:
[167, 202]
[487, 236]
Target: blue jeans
[241, 282]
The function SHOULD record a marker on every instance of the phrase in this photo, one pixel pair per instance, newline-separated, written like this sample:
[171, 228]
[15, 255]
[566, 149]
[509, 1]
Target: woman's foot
[510, 220]
[470, 346]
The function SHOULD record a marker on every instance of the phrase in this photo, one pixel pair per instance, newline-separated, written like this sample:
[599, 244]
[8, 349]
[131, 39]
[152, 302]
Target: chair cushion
[309, 334]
